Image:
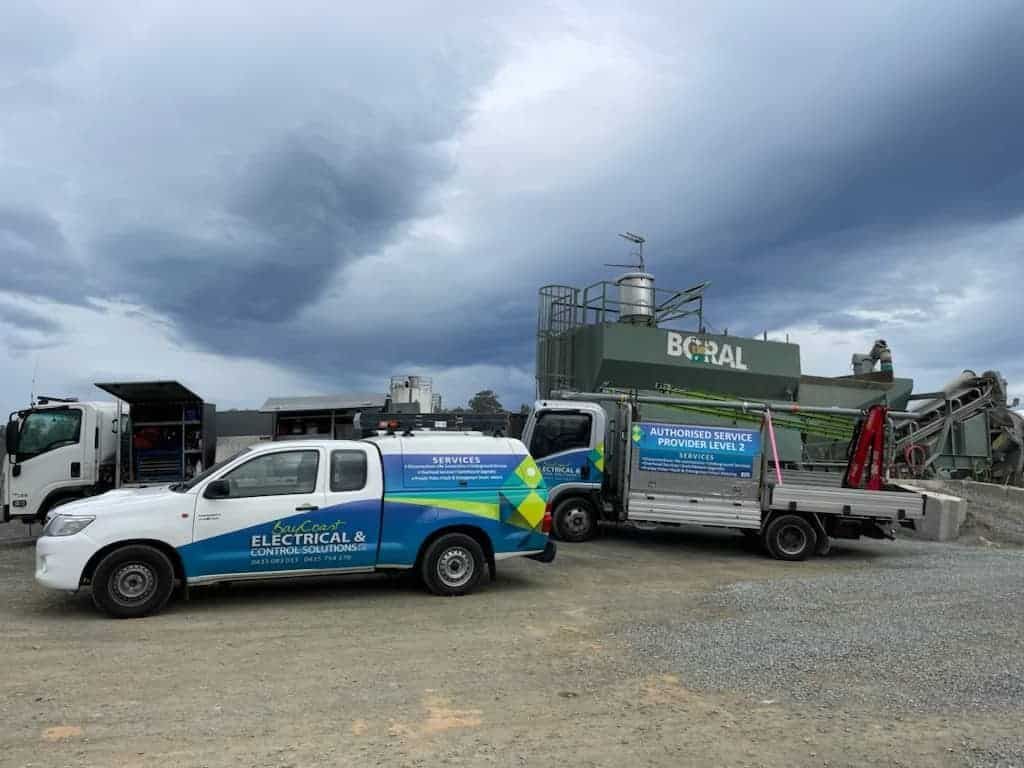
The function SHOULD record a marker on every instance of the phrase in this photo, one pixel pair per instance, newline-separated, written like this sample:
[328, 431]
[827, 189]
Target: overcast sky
[306, 198]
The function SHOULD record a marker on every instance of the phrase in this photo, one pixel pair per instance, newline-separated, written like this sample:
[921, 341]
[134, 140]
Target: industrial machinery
[966, 429]
[630, 336]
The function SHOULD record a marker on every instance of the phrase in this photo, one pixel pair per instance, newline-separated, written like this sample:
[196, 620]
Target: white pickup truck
[447, 506]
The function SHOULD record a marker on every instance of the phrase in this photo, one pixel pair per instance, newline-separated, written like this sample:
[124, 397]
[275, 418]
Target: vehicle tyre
[575, 519]
[133, 581]
[790, 537]
[453, 565]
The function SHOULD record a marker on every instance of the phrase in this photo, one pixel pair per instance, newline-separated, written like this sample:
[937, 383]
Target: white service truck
[58, 451]
[604, 461]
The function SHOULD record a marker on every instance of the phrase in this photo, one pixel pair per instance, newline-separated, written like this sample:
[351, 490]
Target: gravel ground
[824, 640]
[643, 648]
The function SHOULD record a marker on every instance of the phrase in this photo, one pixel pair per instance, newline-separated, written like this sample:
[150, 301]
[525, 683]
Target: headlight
[64, 525]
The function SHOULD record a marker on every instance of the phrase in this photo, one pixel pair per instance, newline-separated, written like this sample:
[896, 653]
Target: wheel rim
[791, 539]
[576, 521]
[455, 567]
[132, 584]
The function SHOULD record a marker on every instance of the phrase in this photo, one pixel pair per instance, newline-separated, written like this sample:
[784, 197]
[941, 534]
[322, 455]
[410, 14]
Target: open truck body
[605, 459]
[61, 450]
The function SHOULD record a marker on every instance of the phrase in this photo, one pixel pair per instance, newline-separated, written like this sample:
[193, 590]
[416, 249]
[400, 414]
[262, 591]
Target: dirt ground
[535, 669]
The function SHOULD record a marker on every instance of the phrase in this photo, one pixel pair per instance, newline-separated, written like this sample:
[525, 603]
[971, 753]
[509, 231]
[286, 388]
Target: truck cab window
[556, 432]
[348, 470]
[44, 431]
[275, 474]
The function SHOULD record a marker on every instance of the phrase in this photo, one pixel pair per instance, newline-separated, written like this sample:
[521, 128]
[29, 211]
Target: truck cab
[567, 440]
[56, 452]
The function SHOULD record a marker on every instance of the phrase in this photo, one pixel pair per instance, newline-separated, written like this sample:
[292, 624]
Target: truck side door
[568, 446]
[50, 457]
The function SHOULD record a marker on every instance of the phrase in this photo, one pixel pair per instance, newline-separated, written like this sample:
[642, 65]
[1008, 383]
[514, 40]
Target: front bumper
[60, 560]
[550, 549]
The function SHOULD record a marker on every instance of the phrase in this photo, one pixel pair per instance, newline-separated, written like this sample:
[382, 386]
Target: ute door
[353, 504]
[260, 515]
[565, 444]
[50, 457]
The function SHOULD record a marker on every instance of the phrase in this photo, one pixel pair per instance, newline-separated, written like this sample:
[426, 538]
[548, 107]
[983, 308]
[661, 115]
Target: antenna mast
[637, 254]
[32, 394]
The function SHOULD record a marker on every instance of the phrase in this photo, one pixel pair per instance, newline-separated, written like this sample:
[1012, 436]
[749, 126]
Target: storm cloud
[323, 196]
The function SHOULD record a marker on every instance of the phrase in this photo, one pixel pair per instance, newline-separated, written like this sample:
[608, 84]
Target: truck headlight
[65, 525]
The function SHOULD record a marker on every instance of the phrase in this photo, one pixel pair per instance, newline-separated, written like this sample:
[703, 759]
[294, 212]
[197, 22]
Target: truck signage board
[696, 450]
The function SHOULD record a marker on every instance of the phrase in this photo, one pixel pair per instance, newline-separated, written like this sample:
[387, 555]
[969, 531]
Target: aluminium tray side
[847, 502]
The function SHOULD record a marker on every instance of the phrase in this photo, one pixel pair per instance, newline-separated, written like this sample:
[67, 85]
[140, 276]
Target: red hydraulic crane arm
[865, 468]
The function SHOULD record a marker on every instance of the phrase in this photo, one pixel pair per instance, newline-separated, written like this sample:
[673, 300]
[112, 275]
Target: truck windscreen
[43, 431]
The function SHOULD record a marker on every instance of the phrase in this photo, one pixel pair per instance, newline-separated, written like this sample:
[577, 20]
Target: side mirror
[217, 489]
[11, 438]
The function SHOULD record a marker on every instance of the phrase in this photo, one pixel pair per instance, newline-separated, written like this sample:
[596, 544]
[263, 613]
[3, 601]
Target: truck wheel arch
[478, 534]
[163, 546]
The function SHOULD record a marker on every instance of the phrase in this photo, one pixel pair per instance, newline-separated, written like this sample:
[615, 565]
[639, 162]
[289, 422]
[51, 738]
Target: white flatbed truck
[603, 462]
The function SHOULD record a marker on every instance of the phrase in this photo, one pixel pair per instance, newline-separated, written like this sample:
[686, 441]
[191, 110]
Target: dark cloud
[27, 319]
[342, 196]
[300, 212]
[36, 257]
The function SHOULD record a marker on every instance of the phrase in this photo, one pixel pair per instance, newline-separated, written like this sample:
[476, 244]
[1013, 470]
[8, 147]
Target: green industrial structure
[630, 335]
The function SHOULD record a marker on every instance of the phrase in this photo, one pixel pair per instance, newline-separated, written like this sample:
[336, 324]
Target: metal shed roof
[345, 402]
[151, 392]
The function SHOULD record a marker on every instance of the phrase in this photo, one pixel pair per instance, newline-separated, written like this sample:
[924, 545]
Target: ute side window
[556, 432]
[348, 470]
[45, 431]
[275, 474]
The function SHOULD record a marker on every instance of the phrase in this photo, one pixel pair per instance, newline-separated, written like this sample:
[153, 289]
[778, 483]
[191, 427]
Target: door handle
[307, 508]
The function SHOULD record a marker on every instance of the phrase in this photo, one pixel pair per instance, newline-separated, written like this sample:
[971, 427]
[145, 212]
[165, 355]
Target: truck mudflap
[548, 555]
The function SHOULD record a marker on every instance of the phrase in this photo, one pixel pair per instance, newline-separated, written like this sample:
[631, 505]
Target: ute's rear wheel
[453, 565]
[133, 581]
[790, 537]
[575, 519]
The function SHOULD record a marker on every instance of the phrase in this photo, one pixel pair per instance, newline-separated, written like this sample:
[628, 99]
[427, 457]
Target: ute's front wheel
[132, 581]
[453, 565]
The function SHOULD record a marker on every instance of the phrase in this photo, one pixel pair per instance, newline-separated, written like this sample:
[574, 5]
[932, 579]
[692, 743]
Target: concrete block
[943, 514]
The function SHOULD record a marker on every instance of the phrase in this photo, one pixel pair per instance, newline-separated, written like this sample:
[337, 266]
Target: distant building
[332, 416]
[415, 391]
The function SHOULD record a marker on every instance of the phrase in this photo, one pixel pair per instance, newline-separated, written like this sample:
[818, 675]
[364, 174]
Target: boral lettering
[698, 349]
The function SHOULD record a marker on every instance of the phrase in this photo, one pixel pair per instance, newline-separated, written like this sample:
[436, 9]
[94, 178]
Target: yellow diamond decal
[529, 473]
[531, 509]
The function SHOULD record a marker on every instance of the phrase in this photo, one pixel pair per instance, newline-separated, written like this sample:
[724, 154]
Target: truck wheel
[453, 565]
[133, 581]
[790, 537]
[575, 519]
